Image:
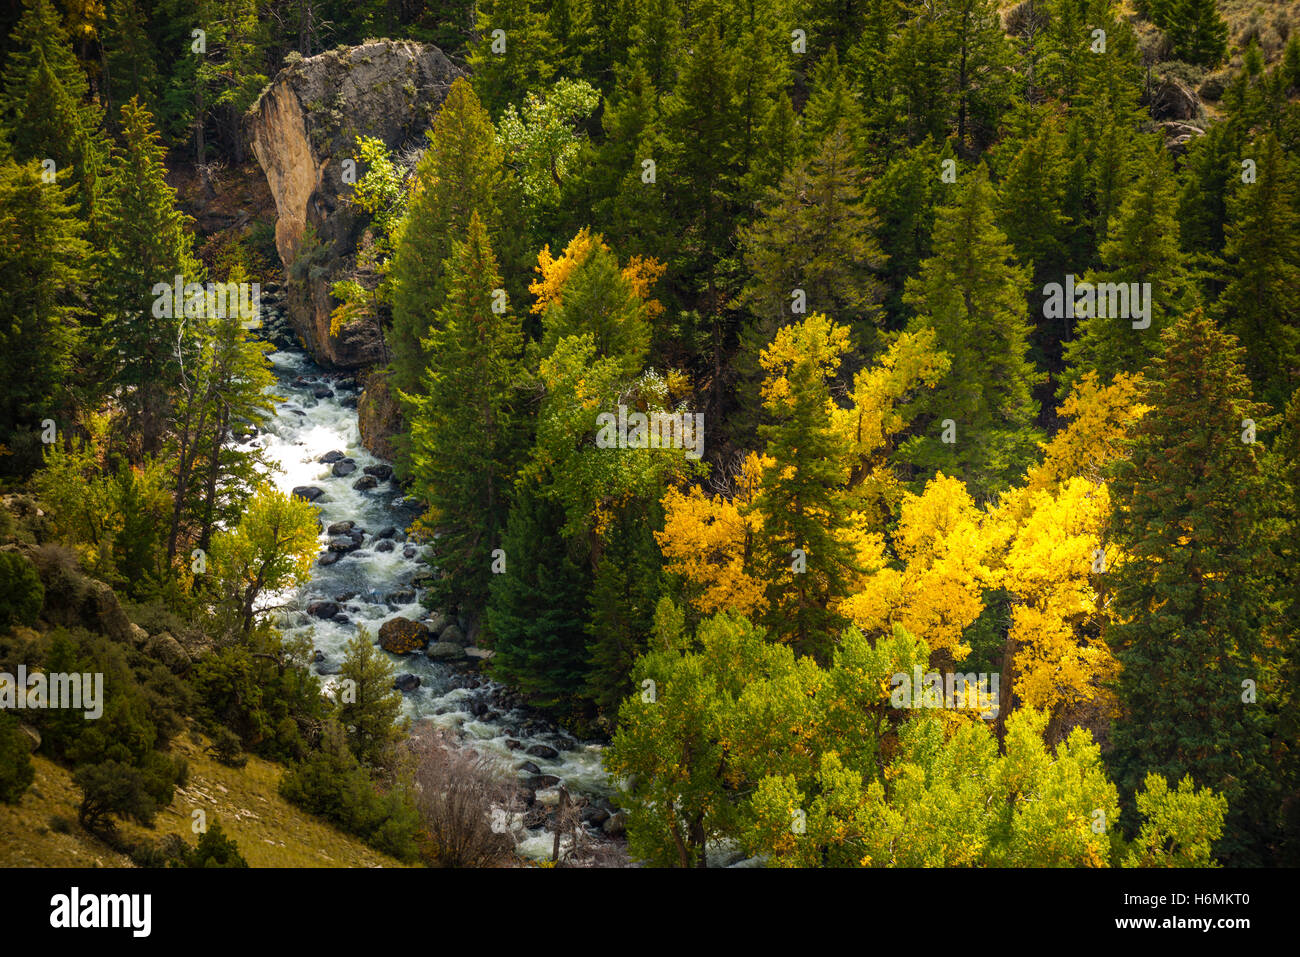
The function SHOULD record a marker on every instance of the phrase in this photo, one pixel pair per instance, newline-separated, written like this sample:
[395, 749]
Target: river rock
[323, 609]
[401, 596]
[530, 767]
[327, 558]
[445, 651]
[322, 392]
[317, 656]
[454, 635]
[341, 619]
[410, 551]
[329, 458]
[340, 528]
[436, 622]
[539, 781]
[543, 751]
[615, 825]
[344, 467]
[343, 544]
[595, 816]
[380, 472]
[365, 483]
[513, 745]
[482, 654]
[388, 531]
[401, 636]
[308, 492]
[384, 545]
[406, 682]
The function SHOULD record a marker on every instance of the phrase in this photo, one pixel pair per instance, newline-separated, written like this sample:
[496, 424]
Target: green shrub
[112, 789]
[21, 593]
[215, 850]
[332, 784]
[16, 771]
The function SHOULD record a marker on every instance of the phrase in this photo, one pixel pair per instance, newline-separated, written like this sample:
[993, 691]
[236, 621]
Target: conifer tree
[464, 433]
[1261, 301]
[508, 65]
[799, 551]
[538, 605]
[1197, 32]
[1142, 247]
[971, 292]
[42, 277]
[458, 175]
[45, 108]
[1192, 614]
[148, 243]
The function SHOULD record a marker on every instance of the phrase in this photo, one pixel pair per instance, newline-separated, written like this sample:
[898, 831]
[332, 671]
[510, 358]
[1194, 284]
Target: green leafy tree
[270, 549]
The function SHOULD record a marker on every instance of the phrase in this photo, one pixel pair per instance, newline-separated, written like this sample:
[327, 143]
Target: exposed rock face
[303, 127]
[379, 417]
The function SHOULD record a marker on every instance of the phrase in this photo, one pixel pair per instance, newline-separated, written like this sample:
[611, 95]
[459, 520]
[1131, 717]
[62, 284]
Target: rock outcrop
[379, 417]
[303, 127]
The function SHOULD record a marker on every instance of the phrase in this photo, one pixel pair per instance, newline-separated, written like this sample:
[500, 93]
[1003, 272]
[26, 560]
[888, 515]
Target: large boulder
[445, 651]
[401, 636]
[302, 127]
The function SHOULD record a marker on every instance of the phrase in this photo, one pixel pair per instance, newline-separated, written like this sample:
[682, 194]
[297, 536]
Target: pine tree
[799, 551]
[597, 299]
[814, 238]
[624, 591]
[971, 293]
[45, 109]
[42, 277]
[1142, 247]
[1197, 32]
[523, 57]
[1192, 613]
[464, 432]
[149, 244]
[905, 197]
[538, 605]
[1261, 301]
[458, 175]
[372, 712]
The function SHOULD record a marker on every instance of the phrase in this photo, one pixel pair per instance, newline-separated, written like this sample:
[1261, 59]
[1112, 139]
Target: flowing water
[372, 585]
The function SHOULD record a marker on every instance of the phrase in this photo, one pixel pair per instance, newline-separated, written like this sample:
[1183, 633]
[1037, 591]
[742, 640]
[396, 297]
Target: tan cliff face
[303, 128]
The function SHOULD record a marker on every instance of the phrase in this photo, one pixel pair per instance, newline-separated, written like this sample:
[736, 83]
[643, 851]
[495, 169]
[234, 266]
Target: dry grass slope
[269, 831]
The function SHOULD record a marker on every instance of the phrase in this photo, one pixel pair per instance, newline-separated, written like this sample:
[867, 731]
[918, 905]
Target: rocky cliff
[303, 127]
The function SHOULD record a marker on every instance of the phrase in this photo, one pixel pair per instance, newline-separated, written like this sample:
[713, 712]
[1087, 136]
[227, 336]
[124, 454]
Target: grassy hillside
[269, 831]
